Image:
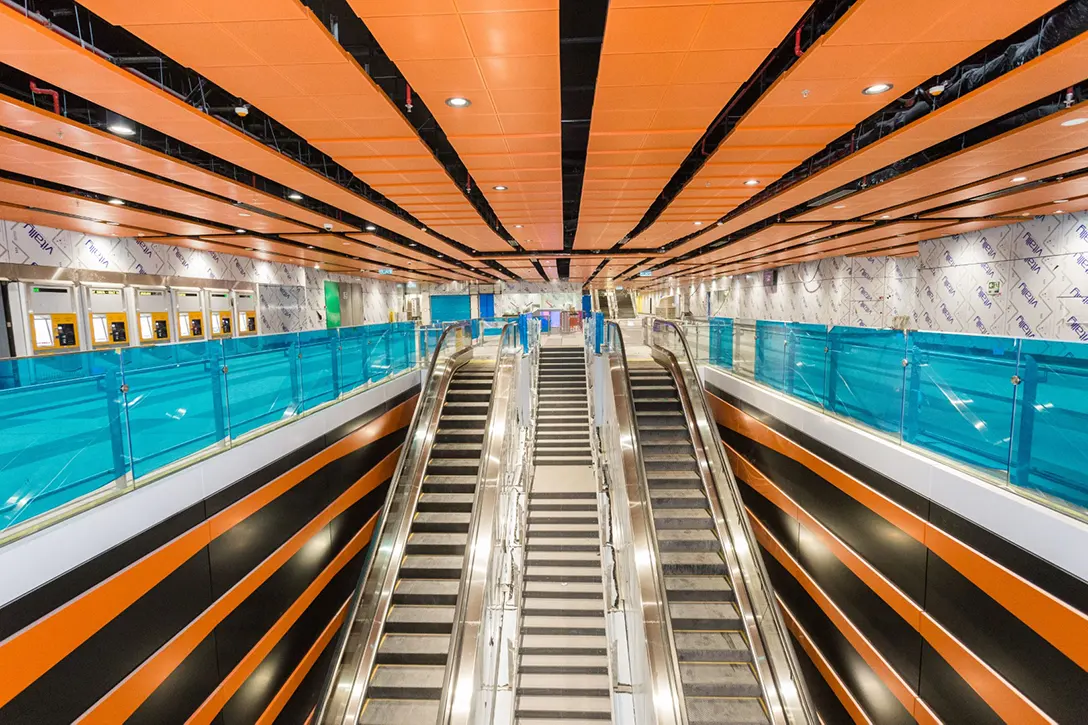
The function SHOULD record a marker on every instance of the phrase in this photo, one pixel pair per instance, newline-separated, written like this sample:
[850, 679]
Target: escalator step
[711, 647]
[699, 589]
[406, 682]
[414, 649]
[431, 567]
[428, 543]
[426, 592]
[683, 519]
[448, 502]
[535, 708]
[726, 679]
[697, 563]
[398, 712]
[412, 619]
[677, 498]
[440, 522]
[718, 710]
[702, 616]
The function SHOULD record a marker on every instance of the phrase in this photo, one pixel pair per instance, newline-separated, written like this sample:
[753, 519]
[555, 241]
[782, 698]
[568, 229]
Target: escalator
[715, 660]
[410, 666]
[625, 305]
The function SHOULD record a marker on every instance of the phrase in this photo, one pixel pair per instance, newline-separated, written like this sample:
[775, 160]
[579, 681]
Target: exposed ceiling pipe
[408, 97]
[34, 88]
[797, 43]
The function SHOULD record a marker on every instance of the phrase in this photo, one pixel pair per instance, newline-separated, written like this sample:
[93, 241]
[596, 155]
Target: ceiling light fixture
[458, 102]
[1058, 211]
[1019, 179]
[122, 129]
[309, 246]
[517, 226]
[115, 224]
[1074, 122]
[371, 228]
[239, 231]
[752, 182]
[885, 216]
[412, 244]
[839, 206]
[242, 213]
[500, 187]
[116, 202]
[249, 249]
[698, 224]
[294, 196]
[1061, 201]
[877, 88]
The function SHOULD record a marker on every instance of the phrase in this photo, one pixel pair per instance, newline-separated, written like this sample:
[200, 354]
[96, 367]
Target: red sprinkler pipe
[797, 42]
[408, 97]
[47, 92]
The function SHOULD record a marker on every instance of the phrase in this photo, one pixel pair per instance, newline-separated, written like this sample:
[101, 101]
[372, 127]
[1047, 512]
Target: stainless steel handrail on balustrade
[775, 661]
[461, 696]
[656, 700]
[348, 678]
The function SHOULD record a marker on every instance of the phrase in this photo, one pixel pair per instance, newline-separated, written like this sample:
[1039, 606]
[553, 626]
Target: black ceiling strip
[581, 32]
[540, 270]
[596, 271]
[112, 43]
[353, 35]
[817, 20]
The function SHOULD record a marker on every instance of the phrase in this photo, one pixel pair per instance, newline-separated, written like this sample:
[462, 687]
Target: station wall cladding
[908, 612]
[226, 612]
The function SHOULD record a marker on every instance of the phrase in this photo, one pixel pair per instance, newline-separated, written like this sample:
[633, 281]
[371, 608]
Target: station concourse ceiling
[497, 140]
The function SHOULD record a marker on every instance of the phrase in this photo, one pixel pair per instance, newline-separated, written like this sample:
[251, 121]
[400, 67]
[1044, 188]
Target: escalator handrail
[774, 659]
[463, 663]
[665, 686]
[415, 452]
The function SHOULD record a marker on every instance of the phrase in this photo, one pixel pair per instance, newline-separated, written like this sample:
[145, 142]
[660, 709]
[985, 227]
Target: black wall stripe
[95, 667]
[302, 703]
[827, 703]
[868, 689]
[892, 636]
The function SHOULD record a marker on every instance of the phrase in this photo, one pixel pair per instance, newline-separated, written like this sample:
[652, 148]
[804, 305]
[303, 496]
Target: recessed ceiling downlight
[458, 102]
[121, 129]
[1019, 179]
[117, 202]
[877, 88]
[752, 182]
[1075, 122]
[371, 228]
[500, 187]
[294, 196]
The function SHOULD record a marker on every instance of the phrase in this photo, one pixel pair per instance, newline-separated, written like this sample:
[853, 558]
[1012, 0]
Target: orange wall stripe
[887, 674]
[303, 668]
[123, 700]
[853, 707]
[1055, 621]
[746, 425]
[28, 654]
[1060, 624]
[892, 595]
[1006, 701]
[237, 677]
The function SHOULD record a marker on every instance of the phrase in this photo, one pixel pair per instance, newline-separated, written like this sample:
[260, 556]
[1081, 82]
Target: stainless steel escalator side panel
[346, 684]
[779, 672]
[665, 686]
[464, 670]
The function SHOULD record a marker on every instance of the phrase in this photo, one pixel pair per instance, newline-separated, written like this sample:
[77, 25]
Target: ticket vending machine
[245, 302]
[53, 317]
[190, 311]
[105, 307]
[221, 317]
[152, 306]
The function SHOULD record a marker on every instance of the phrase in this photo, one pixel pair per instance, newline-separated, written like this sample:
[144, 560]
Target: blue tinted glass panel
[379, 346]
[771, 353]
[61, 431]
[450, 308]
[176, 402]
[1050, 432]
[353, 357]
[264, 384]
[320, 367]
[865, 375]
[721, 342]
[959, 399]
[806, 369]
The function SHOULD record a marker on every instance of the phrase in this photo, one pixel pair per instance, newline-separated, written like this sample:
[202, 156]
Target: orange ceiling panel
[820, 97]
[53, 58]
[13, 192]
[666, 71]
[59, 130]
[33, 159]
[1011, 204]
[14, 213]
[283, 63]
[503, 57]
[1048, 73]
[1028, 150]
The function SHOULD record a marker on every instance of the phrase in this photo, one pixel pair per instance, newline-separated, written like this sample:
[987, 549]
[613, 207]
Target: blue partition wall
[1015, 409]
[450, 308]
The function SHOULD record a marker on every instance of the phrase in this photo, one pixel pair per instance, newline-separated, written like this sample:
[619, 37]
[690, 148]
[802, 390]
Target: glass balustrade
[76, 426]
[1012, 409]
